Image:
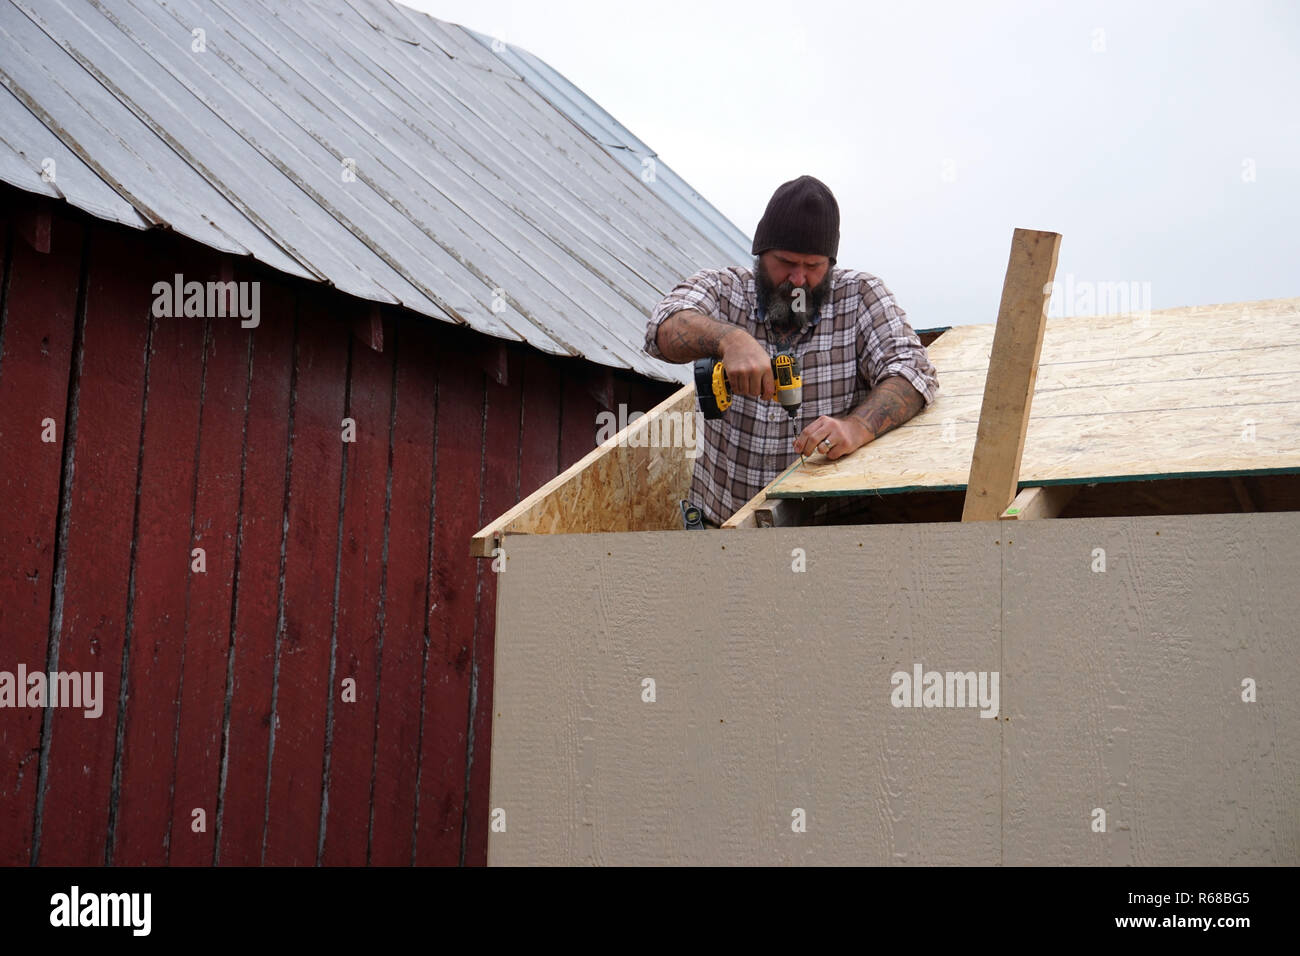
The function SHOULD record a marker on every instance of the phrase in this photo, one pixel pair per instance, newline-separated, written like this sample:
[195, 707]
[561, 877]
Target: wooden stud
[770, 513]
[261, 524]
[1040, 502]
[1013, 369]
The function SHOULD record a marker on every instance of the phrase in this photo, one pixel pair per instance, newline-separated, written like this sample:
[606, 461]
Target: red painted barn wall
[325, 560]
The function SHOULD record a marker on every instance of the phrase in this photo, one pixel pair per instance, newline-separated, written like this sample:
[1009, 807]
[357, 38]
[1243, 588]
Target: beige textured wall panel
[1124, 691]
[766, 700]
[1119, 690]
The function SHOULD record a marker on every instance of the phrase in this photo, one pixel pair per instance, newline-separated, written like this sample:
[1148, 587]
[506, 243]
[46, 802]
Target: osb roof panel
[1201, 390]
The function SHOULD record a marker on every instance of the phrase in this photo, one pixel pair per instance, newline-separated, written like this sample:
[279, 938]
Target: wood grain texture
[164, 539]
[451, 618]
[177, 448]
[401, 673]
[295, 794]
[1198, 390]
[360, 622]
[1034, 503]
[259, 585]
[498, 487]
[633, 482]
[36, 339]
[1013, 369]
[100, 517]
[1118, 689]
[207, 625]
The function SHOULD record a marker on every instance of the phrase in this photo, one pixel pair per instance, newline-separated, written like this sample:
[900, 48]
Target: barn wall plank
[443, 742]
[163, 543]
[259, 585]
[303, 651]
[502, 451]
[360, 608]
[37, 323]
[207, 626]
[401, 672]
[98, 521]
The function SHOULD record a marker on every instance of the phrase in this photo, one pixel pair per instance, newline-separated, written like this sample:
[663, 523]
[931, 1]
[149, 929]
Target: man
[864, 369]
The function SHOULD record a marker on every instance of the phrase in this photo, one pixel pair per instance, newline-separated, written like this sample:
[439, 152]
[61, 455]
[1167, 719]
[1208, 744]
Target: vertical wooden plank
[401, 675]
[162, 571]
[303, 653]
[500, 490]
[360, 610]
[1035, 503]
[458, 462]
[207, 626]
[539, 438]
[73, 813]
[259, 585]
[37, 322]
[1013, 369]
[578, 422]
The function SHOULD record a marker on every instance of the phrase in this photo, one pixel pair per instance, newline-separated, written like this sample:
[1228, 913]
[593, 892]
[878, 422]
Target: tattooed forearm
[892, 402]
[687, 335]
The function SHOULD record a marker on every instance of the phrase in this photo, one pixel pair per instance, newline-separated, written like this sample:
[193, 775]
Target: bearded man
[864, 369]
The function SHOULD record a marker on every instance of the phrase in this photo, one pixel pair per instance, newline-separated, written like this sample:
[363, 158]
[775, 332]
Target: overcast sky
[1161, 139]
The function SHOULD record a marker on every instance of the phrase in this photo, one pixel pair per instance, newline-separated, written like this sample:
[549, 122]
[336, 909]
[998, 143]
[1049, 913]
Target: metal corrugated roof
[359, 143]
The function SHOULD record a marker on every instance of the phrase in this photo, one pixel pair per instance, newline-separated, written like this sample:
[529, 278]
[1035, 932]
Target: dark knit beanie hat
[803, 217]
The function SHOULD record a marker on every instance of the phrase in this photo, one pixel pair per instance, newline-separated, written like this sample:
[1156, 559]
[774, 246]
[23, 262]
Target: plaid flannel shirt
[859, 337]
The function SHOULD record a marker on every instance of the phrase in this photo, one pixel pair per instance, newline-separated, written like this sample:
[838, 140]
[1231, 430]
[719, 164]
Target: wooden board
[499, 487]
[360, 607]
[164, 539]
[1013, 369]
[207, 625]
[241, 823]
[401, 674]
[458, 458]
[624, 485]
[1039, 502]
[38, 315]
[311, 560]
[73, 811]
[1177, 392]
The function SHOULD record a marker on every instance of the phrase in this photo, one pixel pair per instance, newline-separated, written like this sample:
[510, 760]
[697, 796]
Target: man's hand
[892, 402]
[833, 437]
[749, 367]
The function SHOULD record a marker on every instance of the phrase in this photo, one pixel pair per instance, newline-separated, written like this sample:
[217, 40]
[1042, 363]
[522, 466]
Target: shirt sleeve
[889, 346]
[700, 292]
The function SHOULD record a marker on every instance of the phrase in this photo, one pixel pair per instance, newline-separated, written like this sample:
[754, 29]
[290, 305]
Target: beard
[780, 302]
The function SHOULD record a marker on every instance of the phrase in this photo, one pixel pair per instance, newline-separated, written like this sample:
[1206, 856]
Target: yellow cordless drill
[714, 392]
